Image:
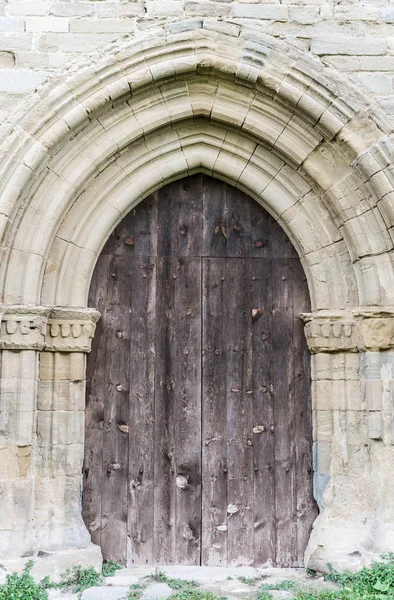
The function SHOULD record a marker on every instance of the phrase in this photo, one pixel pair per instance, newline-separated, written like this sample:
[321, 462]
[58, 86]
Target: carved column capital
[23, 327]
[71, 330]
[52, 329]
[328, 331]
[370, 328]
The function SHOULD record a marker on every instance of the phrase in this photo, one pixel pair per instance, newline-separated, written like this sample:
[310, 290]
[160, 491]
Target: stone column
[352, 378]
[22, 335]
[42, 431]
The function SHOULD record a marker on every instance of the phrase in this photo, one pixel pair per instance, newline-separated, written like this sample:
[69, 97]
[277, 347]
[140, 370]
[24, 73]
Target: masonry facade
[289, 103]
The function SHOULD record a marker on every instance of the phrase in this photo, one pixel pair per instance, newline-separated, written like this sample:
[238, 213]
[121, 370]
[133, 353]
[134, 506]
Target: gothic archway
[88, 147]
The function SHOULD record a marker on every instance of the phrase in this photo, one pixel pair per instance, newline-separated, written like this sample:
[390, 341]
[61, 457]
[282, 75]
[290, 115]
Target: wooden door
[198, 418]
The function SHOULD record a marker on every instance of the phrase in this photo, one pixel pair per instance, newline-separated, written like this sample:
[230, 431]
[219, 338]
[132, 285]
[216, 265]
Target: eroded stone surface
[122, 116]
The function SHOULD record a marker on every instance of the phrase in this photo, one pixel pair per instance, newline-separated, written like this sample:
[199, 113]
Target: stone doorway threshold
[231, 583]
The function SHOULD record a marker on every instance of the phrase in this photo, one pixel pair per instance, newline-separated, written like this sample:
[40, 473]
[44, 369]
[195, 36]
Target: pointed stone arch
[294, 135]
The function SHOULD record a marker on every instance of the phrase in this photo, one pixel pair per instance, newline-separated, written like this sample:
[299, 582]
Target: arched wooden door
[198, 417]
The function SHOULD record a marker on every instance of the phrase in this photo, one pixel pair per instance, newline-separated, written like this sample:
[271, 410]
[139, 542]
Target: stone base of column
[54, 563]
[347, 544]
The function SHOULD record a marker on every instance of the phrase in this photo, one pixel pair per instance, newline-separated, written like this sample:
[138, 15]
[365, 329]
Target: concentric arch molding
[370, 328]
[53, 329]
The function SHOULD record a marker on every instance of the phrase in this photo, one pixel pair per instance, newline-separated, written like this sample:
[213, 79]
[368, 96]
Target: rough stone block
[375, 429]
[79, 42]
[131, 10]
[59, 460]
[15, 42]
[60, 427]
[273, 12]
[157, 8]
[104, 593]
[387, 14]
[98, 26]
[304, 14]
[107, 10]
[339, 44]
[27, 7]
[49, 42]
[76, 9]
[46, 24]
[324, 424]
[376, 83]
[10, 24]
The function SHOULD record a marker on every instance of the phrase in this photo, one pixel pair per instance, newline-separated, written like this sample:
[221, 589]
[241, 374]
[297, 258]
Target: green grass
[136, 590]
[193, 594]
[285, 585]
[370, 583]
[109, 568]
[250, 580]
[23, 586]
[175, 584]
[77, 579]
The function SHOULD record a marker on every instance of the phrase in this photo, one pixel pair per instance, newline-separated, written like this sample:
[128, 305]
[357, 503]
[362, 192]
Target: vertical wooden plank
[134, 235]
[141, 412]
[164, 438]
[262, 225]
[305, 504]
[187, 417]
[263, 414]
[240, 486]
[168, 220]
[190, 217]
[286, 546]
[215, 232]
[238, 209]
[214, 415]
[281, 243]
[94, 412]
[116, 413]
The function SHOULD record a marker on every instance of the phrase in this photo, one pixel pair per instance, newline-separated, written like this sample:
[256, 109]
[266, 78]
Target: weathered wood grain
[141, 412]
[188, 411]
[284, 426]
[165, 411]
[239, 413]
[198, 406]
[94, 413]
[214, 415]
[306, 509]
[263, 412]
[114, 495]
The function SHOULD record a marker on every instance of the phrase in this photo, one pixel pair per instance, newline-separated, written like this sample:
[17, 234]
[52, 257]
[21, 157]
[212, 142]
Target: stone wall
[39, 36]
[208, 87]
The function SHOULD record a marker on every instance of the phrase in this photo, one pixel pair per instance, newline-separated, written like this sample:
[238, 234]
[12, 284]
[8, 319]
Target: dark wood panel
[136, 234]
[94, 412]
[238, 213]
[306, 509]
[165, 411]
[188, 411]
[141, 412]
[263, 413]
[116, 413]
[214, 218]
[214, 415]
[190, 217]
[239, 413]
[199, 457]
[284, 425]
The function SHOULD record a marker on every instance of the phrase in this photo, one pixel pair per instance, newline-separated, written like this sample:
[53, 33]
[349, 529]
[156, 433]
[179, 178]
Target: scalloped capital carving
[52, 329]
[359, 330]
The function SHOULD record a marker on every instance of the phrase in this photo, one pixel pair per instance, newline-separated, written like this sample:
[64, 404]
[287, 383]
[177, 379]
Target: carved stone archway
[87, 147]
